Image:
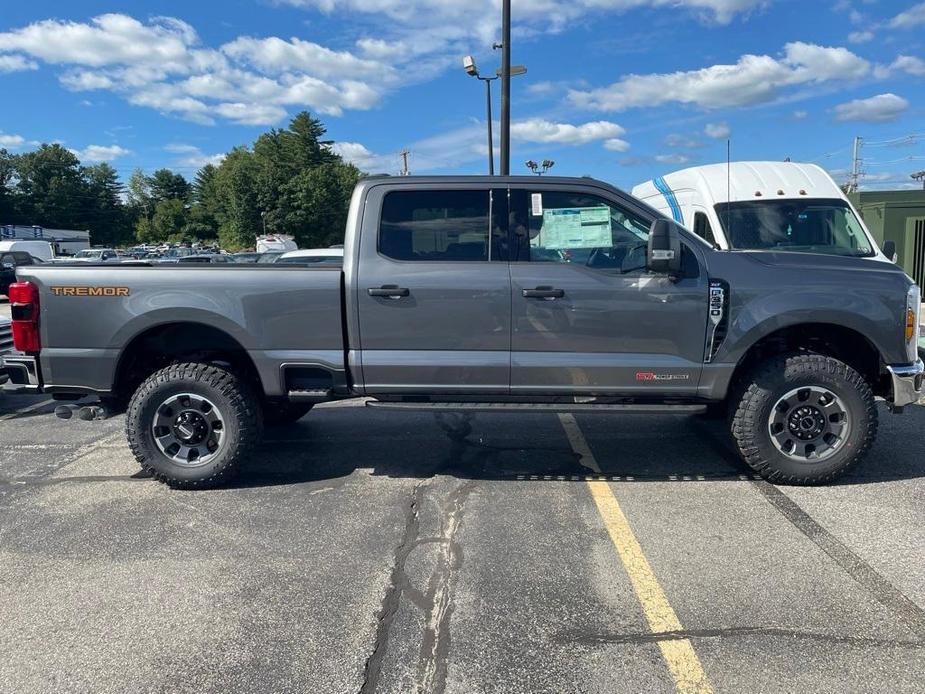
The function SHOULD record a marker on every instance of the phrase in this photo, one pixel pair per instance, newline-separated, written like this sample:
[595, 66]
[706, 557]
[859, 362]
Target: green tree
[7, 189]
[164, 184]
[168, 220]
[314, 204]
[239, 216]
[50, 187]
[106, 216]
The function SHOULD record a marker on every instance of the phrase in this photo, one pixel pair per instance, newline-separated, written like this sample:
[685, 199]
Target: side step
[535, 407]
[310, 395]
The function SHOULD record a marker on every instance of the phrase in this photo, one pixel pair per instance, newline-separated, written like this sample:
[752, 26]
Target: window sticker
[575, 227]
[536, 204]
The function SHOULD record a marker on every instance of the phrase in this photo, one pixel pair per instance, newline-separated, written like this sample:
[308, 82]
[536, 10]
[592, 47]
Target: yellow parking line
[679, 655]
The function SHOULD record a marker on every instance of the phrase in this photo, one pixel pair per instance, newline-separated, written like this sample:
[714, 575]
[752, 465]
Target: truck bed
[278, 315]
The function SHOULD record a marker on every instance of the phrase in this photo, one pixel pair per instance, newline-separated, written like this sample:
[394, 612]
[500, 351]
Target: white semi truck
[760, 205]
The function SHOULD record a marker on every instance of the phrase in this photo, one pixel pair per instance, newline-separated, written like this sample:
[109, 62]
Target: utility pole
[919, 176]
[855, 167]
[506, 88]
[405, 171]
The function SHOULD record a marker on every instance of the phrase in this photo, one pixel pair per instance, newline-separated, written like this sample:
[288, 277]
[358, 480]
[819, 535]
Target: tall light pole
[506, 88]
[470, 67]
[471, 70]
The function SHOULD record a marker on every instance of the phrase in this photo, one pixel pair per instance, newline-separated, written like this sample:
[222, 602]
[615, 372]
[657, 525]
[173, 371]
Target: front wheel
[804, 419]
[191, 425]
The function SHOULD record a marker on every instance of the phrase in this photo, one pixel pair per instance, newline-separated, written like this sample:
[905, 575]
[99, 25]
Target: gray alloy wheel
[189, 429]
[809, 424]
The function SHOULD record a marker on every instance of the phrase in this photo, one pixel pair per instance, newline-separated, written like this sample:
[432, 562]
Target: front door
[587, 316]
[434, 292]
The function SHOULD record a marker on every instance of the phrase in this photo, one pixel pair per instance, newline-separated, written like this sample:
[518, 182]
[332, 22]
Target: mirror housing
[664, 252]
[889, 250]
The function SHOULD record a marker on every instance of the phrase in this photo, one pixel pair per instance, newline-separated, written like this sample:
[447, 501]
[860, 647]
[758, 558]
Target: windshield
[808, 226]
[89, 254]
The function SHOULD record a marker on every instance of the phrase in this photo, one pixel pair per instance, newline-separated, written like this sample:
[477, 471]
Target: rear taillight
[24, 300]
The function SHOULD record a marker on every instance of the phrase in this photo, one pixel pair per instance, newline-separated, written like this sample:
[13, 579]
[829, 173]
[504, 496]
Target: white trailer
[761, 205]
[63, 241]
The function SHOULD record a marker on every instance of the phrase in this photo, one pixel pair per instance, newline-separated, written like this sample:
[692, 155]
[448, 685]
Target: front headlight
[913, 307]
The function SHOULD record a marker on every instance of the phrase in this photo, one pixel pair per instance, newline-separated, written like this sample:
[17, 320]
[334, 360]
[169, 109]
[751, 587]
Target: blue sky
[618, 89]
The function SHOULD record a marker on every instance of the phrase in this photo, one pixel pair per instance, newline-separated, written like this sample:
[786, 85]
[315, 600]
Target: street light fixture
[547, 164]
[473, 71]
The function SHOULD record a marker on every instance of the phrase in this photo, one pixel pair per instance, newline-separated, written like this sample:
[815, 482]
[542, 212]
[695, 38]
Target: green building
[899, 216]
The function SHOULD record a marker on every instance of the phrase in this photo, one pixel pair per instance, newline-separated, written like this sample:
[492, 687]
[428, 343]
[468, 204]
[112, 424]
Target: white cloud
[11, 141]
[876, 109]
[754, 79]
[16, 63]
[672, 158]
[860, 36]
[909, 64]
[800, 115]
[540, 130]
[162, 64]
[552, 13]
[193, 157]
[96, 153]
[683, 141]
[615, 144]
[360, 156]
[717, 131]
[913, 17]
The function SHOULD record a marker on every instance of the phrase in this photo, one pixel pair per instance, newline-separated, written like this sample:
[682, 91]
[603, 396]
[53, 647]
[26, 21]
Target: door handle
[390, 291]
[543, 293]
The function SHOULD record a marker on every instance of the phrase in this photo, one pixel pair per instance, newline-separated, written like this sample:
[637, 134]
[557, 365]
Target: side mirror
[889, 250]
[664, 253]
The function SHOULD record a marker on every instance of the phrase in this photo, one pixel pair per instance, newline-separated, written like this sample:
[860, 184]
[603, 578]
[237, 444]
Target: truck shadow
[330, 445]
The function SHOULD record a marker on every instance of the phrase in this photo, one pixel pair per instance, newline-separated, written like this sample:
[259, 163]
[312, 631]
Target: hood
[818, 261]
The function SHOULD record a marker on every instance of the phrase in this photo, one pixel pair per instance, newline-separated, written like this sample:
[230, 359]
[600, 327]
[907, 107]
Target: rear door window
[439, 226]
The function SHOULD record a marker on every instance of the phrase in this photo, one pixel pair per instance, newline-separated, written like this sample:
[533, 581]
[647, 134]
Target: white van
[43, 250]
[762, 205]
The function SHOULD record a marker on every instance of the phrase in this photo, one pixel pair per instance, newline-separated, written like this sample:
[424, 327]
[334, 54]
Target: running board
[310, 395]
[535, 407]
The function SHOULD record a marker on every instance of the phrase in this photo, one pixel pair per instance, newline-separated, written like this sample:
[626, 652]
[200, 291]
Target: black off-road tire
[233, 396]
[760, 391]
[277, 414]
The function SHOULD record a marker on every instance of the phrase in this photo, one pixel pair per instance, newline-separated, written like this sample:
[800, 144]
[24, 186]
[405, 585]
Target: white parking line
[26, 410]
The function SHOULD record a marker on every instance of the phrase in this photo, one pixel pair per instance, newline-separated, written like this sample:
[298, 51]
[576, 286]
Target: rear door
[587, 315]
[434, 290]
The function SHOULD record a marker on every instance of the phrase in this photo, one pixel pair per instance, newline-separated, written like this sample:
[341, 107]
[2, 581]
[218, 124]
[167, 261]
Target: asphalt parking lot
[366, 551]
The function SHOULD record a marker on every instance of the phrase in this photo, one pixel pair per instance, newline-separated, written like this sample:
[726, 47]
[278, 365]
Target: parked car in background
[270, 257]
[9, 261]
[205, 258]
[308, 256]
[42, 250]
[245, 257]
[93, 255]
[276, 242]
[761, 206]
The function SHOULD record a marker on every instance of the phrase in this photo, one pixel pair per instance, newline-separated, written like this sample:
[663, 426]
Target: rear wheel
[804, 419]
[191, 425]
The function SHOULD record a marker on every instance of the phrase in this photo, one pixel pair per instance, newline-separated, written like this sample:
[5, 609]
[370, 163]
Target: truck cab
[762, 206]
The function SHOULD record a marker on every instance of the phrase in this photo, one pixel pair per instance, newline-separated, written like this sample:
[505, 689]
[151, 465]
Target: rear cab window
[441, 226]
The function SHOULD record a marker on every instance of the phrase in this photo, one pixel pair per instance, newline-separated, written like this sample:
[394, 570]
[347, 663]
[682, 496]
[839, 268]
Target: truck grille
[6, 338]
[918, 252]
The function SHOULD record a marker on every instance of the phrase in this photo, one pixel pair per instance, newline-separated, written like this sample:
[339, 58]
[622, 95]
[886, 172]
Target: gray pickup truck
[487, 293]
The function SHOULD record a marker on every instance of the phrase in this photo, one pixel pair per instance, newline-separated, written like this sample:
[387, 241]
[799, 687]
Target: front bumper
[907, 383]
[22, 372]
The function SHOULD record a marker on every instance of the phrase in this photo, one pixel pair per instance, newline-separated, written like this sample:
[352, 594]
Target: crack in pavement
[398, 583]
